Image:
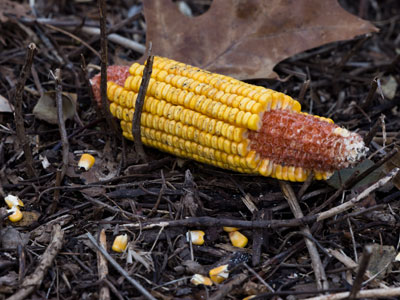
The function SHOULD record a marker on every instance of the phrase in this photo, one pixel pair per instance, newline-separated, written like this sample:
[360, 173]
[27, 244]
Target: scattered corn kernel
[196, 236]
[230, 229]
[86, 161]
[200, 279]
[17, 214]
[238, 239]
[120, 243]
[13, 201]
[219, 274]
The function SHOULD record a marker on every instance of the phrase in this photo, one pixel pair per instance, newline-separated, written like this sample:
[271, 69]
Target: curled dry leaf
[46, 109]
[12, 9]
[246, 39]
[5, 105]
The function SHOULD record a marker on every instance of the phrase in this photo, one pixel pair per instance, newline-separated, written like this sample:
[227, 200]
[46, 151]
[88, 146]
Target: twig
[270, 288]
[352, 202]
[374, 129]
[224, 289]
[104, 293]
[105, 105]
[319, 271]
[139, 106]
[351, 264]
[361, 271]
[135, 283]
[353, 179]
[94, 39]
[163, 187]
[218, 222]
[72, 36]
[370, 97]
[61, 123]
[19, 118]
[373, 293]
[34, 280]
[305, 185]
[116, 38]
[304, 88]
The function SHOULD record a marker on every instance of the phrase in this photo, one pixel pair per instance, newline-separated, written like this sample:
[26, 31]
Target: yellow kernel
[16, 214]
[301, 174]
[134, 67]
[265, 168]
[285, 175]
[253, 122]
[291, 173]
[238, 239]
[252, 159]
[12, 201]
[246, 118]
[219, 274]
[120, 243]
[296, 106]
[198, 279]
[229, 229]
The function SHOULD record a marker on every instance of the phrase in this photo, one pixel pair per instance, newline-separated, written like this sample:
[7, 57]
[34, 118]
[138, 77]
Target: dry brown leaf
[247, 38]
[12, 9]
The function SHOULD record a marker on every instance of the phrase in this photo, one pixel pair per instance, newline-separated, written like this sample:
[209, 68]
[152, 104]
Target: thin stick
[148, 69]
[352, 202]
[319, 271]
[61, 123]
[370, 97]
[72, 36]
[361, 271]
[224, 289]
[374, 129]
[18, 116]
[218, 222]
[353, 179]
[105, 105]
[34, 280]
[373, 293]
[135, 283]
[104, 293]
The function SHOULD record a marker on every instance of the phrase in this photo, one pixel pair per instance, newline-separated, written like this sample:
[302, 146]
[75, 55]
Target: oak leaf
[247, 38]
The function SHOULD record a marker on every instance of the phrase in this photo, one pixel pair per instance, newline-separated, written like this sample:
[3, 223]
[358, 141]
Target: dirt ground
[49, 255]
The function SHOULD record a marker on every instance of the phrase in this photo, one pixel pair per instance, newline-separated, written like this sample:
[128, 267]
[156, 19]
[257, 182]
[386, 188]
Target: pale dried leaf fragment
[45, 109]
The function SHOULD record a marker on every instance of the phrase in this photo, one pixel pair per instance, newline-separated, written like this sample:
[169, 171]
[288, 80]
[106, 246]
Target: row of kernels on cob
[224, 88]
[165, 111]
[201, 104]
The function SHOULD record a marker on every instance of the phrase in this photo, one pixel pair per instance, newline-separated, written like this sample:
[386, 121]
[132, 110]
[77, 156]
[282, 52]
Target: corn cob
[218, 120]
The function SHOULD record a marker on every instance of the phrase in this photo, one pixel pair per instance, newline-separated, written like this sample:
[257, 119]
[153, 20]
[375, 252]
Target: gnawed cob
[218, 120]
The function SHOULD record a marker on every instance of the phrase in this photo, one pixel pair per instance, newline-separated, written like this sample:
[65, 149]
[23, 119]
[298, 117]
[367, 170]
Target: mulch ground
[157, 202]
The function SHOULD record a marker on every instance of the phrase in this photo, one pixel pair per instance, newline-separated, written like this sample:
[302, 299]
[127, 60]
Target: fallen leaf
[381, 260]
[46, 109]
[9, 279]
[389, 87]
[12, 9]
[5, 106]
[10, 238]
[392, 163]
[42, 234]
[339, 177]
[246, 39]
[28, 219]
